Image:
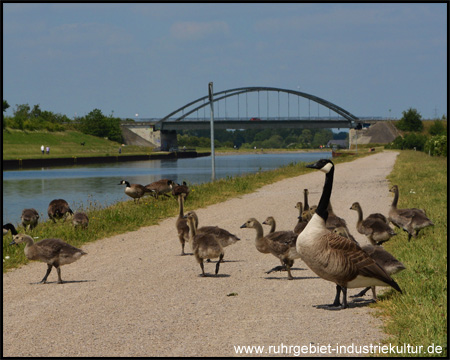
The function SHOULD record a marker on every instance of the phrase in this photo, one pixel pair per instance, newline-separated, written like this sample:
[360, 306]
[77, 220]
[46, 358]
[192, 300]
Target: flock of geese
[321, 239]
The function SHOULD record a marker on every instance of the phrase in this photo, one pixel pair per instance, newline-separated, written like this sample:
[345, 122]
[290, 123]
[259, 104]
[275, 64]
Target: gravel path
[134, 295]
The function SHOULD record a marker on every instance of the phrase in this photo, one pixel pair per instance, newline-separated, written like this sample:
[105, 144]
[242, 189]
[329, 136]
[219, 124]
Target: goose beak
[13, 243]
[314, 166]
[243, 226]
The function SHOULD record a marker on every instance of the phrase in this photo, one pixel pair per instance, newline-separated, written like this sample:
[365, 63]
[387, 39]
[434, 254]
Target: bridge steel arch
[351, 119]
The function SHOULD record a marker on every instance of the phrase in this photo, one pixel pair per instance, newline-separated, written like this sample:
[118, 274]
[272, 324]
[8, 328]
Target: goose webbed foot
[337, 302]
[362, 293]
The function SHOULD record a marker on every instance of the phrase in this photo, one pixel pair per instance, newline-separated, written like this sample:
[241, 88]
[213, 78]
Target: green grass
[27, 145]
[419, 315]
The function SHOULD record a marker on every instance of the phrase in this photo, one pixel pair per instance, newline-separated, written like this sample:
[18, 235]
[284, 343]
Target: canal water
[84, 185]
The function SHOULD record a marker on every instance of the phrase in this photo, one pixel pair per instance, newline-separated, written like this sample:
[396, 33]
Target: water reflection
[81, 185]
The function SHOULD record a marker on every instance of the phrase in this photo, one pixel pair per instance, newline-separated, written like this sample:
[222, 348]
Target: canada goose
[181, 225]
[80, 219]
[281, 244]
[223, 236]
[308, 211]
[375, 229]
[160, 187]
[30, 218]
[333, 257]
[343, 231]
[54, 252]
[180, 189]
[334, 221]
[136, 191]
[9, 227]
[301, 223]
[411, 220]
[204, 245]
[271, 222]
[386, 260]
[57, 209]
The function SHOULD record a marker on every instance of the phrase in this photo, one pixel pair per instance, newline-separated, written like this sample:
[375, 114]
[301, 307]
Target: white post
[213, 166]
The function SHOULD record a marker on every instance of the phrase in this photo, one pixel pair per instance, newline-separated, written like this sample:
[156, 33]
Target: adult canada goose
[181, 225]
[301, 223]
[58, 208]
[54, 252]
[180, 189]
[9, 227]
[135, 191]
[375, 229]
[160, 187]
[30, 218]
[204, 245]
[333, 257]
[281, 244]
[80, 219]
[411, 220]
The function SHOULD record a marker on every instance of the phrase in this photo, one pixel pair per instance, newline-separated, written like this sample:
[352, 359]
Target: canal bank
[46, 162]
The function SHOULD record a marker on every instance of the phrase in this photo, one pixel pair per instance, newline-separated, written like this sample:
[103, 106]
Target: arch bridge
[187, 116]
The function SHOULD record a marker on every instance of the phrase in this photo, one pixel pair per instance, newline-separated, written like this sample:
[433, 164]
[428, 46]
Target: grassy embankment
[27, 145]
[419, 315]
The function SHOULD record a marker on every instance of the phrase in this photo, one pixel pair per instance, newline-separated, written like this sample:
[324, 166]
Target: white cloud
[198, 30]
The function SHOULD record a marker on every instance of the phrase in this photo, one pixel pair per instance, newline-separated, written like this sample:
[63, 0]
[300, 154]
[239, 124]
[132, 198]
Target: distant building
[340, 144]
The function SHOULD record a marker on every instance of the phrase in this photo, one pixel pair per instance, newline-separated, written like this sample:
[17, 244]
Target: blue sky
[151, 58]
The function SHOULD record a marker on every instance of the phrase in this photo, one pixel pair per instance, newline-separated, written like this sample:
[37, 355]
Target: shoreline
[16, 164]
[30, 163]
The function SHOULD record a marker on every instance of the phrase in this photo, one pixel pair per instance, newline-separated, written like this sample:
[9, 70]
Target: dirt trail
[134, 295]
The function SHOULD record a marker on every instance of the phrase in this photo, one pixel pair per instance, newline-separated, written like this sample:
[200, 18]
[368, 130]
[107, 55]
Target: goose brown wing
[55, 247]
[359, 262]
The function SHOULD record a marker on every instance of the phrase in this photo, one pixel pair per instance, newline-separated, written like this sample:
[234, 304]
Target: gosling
[54, 252]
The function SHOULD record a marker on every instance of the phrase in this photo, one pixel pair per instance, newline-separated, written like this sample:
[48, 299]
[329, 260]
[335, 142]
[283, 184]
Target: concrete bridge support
[168, 139]
[142, 136]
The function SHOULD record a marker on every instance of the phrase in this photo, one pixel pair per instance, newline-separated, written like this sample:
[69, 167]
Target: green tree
[5, 105]
[437, 128]
[97, 124]
[322, 137]
[410, 121]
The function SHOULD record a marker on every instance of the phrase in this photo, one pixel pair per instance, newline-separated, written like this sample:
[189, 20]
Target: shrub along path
[134, 295]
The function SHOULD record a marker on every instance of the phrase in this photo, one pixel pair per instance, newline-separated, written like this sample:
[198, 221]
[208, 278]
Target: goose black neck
[394, 202]
[326, 194]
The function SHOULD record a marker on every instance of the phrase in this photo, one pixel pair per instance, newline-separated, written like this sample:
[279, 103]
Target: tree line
[434, 141]
[266, 138]
[95, 123]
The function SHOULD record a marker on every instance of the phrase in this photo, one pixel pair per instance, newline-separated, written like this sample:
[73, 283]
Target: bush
[409, 141]
[437, 145]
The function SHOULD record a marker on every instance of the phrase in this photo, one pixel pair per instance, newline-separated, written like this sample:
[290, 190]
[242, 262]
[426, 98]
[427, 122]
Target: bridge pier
[168, 139]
